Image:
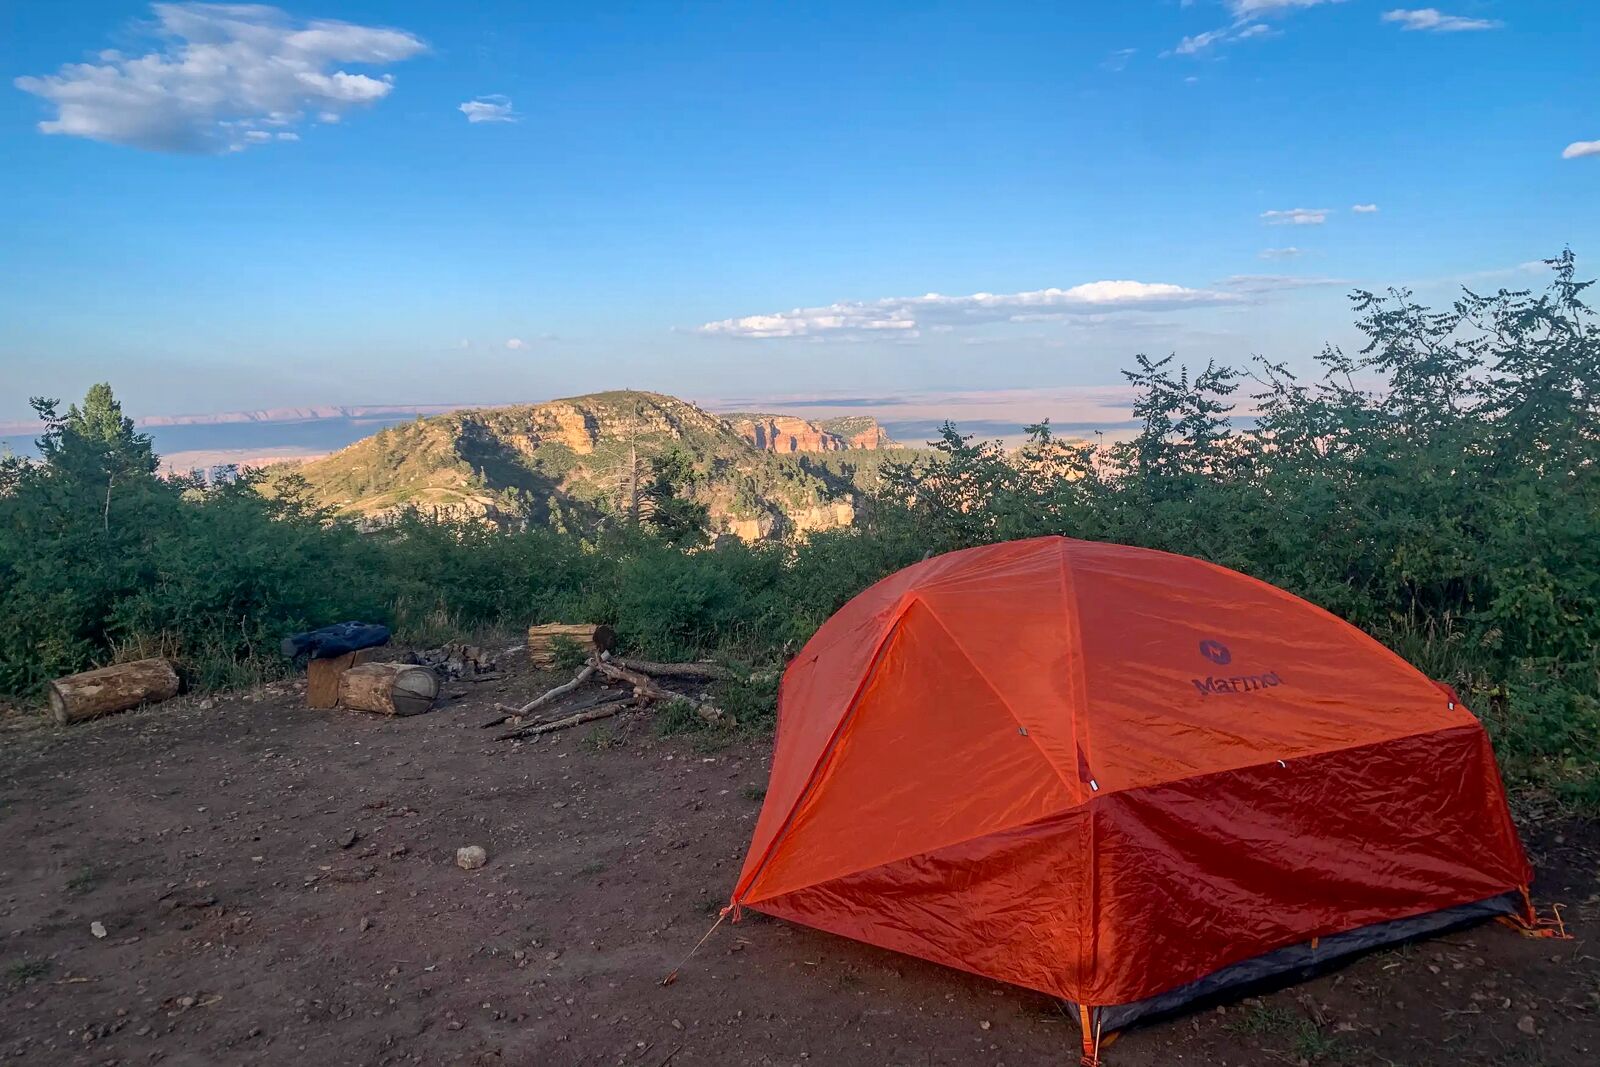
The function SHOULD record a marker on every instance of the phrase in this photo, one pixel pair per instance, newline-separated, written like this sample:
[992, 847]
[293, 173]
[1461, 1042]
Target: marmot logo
[1242, 684]
[1216, 652]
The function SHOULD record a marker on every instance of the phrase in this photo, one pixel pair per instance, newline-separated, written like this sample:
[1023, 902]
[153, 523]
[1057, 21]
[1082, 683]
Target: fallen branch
[559, 691]
[603, 697]
[646, 689]
[605, 711]
[673, 670]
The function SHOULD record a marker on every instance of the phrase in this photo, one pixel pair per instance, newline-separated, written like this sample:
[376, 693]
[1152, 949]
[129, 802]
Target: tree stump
[322, 676]
[111, 689]
[388, 688]
[545, 640]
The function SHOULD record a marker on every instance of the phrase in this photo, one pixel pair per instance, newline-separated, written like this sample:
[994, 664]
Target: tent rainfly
[1121, 777]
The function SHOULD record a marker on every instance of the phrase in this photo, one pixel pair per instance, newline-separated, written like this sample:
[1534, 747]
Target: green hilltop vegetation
[1439, 488]
[569, 462]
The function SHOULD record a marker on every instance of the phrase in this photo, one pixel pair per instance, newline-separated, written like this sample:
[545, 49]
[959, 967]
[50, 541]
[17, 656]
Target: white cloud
[905, 316]
[1435, 21]
[221, 72]
[1247, 16]
[1249, 9]
[491, 108]
[1297, 216]
[1282, 253]
[1579, 149]
[516, 344]
[1364, 209]
[1200, 42]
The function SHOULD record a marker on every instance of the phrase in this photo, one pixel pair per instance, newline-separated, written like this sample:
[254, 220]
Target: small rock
[471, 857]
[1527, 1026]
[349, 838]
[185, 1002]
[97, 928]
[985, 1025]
[365, 924]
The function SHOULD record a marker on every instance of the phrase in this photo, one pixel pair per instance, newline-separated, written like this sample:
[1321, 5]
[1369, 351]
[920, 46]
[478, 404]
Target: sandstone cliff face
[571, 457]
[789, 433]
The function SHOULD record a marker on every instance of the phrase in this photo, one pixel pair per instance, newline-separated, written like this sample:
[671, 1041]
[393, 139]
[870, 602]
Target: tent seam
[906, 600]
[1080, 740]
[1071, 787]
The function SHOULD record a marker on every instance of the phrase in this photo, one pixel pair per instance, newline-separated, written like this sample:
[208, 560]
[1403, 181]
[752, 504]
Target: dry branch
[561, 690]
[646, 689]
[603, 711]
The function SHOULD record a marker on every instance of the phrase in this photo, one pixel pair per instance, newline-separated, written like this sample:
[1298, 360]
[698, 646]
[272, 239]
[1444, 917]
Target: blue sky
[745, 199]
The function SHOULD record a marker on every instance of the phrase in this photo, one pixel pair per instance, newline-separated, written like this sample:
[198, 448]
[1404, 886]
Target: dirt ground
[278, 885]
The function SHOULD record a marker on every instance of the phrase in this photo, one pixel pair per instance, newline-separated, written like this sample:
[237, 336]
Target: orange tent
[1121, 777]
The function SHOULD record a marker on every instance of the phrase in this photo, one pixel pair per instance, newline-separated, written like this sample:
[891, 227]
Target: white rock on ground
[471, 858]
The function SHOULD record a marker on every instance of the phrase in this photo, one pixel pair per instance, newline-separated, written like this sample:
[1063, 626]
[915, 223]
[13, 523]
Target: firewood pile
[458, 660]
[605, 686]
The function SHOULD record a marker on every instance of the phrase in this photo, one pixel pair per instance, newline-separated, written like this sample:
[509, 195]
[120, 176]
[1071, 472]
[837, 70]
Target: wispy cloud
[1203, 42]
[1119, 59]
[1282, 253]
[1297, 216]
[1249, 9]
[1433, 20]
[907, 316]
[516, 344]
[222, 75]
[491, 108]
[1364, 209]
[1247, 23]
[1257, 284]
[1579, 149]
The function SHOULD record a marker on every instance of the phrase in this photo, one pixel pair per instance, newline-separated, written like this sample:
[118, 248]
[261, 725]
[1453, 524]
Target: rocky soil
[244, 881]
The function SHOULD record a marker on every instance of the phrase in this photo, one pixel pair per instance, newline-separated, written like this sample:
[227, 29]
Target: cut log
[322, 676]
[111, 689]
[673, 670]
[546, 639]
[388, 688]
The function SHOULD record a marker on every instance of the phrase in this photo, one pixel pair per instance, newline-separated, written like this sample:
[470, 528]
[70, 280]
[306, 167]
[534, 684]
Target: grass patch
[83, 881]
[567, 654]
[754, 792]
[1263, 1020]
[25, 971]
[1312, 1042]
[679, 717]
[602, 738]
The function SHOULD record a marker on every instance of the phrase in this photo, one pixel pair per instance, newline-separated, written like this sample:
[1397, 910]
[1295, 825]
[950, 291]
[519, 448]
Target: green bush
[1440, 489]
